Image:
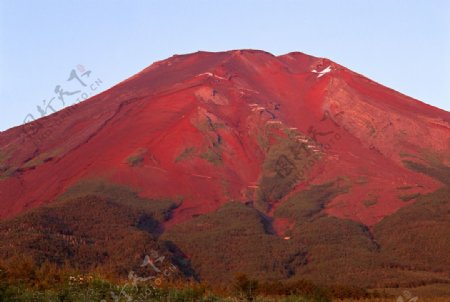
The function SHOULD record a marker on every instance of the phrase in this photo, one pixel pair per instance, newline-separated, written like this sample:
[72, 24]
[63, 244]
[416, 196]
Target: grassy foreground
[24, 281]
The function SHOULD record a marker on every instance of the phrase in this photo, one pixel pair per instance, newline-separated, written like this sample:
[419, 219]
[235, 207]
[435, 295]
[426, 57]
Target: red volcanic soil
[190, 120]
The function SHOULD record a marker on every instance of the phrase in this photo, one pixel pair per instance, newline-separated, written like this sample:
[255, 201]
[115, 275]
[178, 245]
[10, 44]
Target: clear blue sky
[404, 44]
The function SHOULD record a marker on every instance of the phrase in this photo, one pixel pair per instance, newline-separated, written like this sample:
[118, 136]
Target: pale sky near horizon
[402, 44]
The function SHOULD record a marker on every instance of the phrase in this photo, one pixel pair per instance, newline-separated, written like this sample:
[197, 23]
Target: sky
[56, 53]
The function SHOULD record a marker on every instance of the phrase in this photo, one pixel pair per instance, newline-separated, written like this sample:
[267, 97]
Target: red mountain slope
[241, 125]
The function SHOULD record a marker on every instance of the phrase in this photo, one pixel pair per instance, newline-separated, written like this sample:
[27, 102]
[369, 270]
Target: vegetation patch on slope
[7, 169]
[287, 162]
[235, 238]
[94, 225]
[416, 237]
[430, 164]
[305, 204]
[187, 153]
[137, 158]
[210, 130]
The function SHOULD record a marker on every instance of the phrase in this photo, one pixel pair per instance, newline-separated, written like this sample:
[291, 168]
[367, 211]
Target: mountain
[281, 167]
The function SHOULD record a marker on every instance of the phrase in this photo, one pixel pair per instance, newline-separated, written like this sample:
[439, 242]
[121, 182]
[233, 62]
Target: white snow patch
[249, 90]
[321, 73]
[211, 75]
[274, 122]
[257, 107]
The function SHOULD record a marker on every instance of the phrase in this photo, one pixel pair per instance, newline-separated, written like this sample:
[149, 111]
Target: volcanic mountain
[280, 167]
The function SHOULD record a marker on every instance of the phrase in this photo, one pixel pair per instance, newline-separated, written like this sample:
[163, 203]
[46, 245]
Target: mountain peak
[228, 115]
